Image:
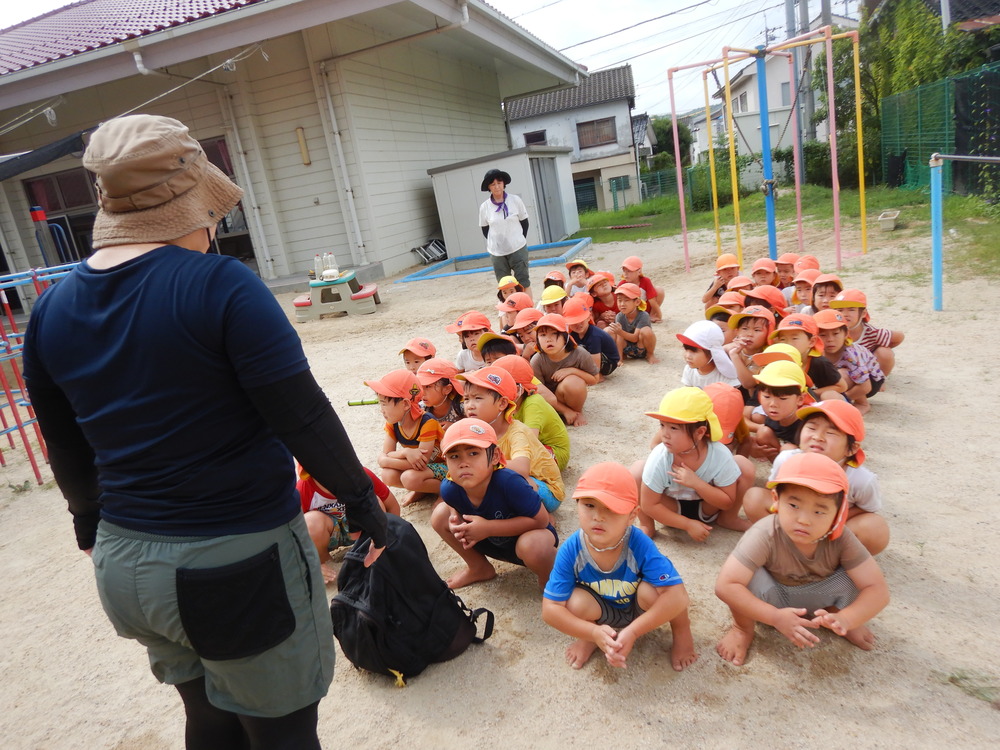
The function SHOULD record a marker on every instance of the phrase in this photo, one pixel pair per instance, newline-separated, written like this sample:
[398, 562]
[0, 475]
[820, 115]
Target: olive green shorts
[248, 612]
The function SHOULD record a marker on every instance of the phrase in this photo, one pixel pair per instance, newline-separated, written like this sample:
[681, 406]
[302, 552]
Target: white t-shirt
[505, 235]
[718, 469]
[695, 379]
[466, 363]
[862, 483]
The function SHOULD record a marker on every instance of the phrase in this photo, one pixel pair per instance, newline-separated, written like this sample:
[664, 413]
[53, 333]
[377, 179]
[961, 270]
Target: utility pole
[806, 92]
[945, 15]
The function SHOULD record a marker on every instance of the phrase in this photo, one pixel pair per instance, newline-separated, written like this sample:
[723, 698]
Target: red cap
[400, 384]
[632, 291]
[727, 403]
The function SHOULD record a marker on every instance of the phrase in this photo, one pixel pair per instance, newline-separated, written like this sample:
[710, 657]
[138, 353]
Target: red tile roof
[91, 24]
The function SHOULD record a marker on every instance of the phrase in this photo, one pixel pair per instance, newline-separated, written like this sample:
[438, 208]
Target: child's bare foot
[329, 574]
[649, 530]
[575, 418]
[468, 576]
[735, 644]
[652, 360]
[413, 497]
[736, 524]
[861, 637]
[579, 652]
[682, 653]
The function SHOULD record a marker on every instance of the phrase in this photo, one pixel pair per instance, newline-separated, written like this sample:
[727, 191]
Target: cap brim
[766, 358]
[476, 442]
[612, 502]
[822, 486]
[690, 342]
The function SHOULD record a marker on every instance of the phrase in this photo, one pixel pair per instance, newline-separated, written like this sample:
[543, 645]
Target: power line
[640, 23]
[685, 39]
[541, 7]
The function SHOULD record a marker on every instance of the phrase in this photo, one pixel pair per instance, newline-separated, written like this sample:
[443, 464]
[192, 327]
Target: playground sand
[70, 682]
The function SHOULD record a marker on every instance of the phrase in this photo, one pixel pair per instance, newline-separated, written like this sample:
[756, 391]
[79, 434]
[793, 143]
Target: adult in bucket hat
[173, 393]
[504, 221]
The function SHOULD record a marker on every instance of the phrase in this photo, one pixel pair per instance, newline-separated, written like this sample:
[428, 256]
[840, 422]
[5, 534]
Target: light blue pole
[937, 229]
[765, 147]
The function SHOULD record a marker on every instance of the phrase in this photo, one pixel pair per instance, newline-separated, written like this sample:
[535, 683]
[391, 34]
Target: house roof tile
[91, 24]
[601, 86]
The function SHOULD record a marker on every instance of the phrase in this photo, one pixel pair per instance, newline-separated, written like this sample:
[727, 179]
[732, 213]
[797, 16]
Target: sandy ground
[69, 682]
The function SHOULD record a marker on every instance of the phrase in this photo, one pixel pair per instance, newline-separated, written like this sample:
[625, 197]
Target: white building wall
[560, 129]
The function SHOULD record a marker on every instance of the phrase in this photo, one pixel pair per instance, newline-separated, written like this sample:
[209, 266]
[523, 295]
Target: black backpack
[398, 616]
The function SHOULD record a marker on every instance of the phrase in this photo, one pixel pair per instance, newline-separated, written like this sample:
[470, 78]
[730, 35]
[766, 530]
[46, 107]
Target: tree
[664, 131]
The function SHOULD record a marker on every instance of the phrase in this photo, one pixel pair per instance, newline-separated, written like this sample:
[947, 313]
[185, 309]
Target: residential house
[705, 130]
[644, 139]
[594, 119]
[327, 112]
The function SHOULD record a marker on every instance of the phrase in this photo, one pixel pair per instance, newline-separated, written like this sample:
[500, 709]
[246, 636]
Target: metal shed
[540, 175]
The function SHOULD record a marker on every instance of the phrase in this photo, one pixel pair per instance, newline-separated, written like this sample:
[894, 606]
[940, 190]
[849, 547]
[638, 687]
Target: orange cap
[469, 431]
[576, 310]
[829, 319]
[553, 320]
[754, 311]
[787, 259]
[400, 384]
[520, 370]
[493, 378]
[812, 470]
[555, 276]
[851, 298]
[808, 275]
[610, 484]
[845, 418]
[768, 294]
[829, 278]
[525, 317]
[436, 369]
[632, 263]
[797, 322]
[726, 260]
[739, 282]
[515, 302]
[806, 261]
[727, 403]
[821, 474]
[776, 353]
[763, 264]
[473, 321]
[632, 291]
[420, 347]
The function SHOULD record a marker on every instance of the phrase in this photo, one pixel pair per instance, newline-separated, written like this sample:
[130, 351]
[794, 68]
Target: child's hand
[604, 637]
[559, 375]
[683, 475]
[416, 458]
[613, 328]
[625, 640]
[697, 530]
[608, 316]
[790, 623]
[762, 451]
[473, 531]
[457, 526]
[834, 621]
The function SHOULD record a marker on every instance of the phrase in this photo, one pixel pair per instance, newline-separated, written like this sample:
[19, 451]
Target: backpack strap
[487, 628]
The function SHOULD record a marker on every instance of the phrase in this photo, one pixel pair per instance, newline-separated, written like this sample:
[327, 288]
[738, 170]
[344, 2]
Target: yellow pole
[733, 174]
[711, 165]
[861, 142]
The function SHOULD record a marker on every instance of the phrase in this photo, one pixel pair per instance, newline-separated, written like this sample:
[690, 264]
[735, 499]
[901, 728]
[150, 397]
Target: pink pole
[796, 148]
[833, 142]
[679, 171]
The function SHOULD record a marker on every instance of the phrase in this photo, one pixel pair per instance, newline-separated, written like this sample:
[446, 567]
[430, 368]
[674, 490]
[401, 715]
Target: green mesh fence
[957, 115]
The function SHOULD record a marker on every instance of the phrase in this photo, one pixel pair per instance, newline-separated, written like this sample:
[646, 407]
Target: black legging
[211, 728]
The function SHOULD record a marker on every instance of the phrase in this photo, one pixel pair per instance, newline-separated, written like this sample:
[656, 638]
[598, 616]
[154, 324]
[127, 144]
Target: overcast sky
[695, 31]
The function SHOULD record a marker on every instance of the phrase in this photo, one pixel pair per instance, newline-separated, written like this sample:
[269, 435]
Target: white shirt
[505, 235]
[695, 379]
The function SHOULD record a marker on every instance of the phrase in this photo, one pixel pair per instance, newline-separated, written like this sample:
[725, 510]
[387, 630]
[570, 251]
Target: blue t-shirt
[508, 495]
[598, 341]
[639, 561]
[154, 355]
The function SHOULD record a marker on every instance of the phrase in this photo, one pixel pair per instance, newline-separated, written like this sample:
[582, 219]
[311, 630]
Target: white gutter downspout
[358, 255]
[251, 197]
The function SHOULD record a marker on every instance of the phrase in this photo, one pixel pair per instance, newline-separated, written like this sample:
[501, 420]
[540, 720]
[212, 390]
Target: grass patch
[976, 251]
[975, 684]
